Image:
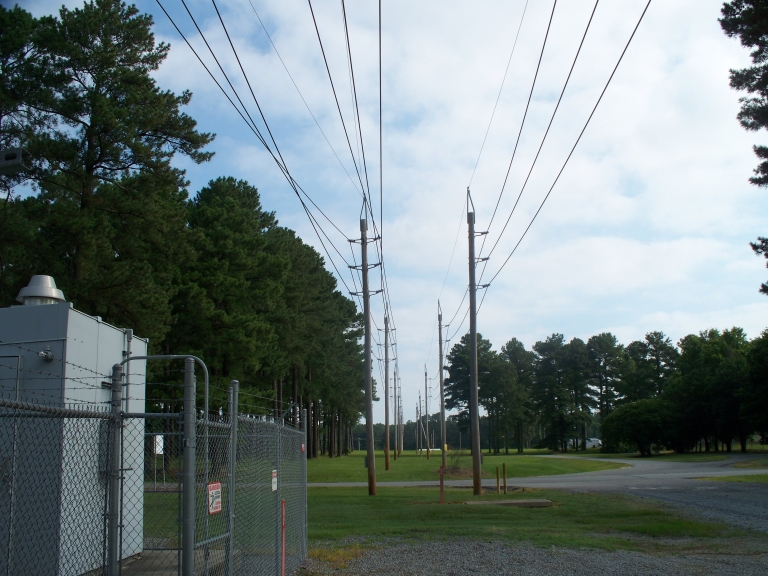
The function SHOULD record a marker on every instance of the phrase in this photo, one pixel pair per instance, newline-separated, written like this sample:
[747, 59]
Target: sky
[647, 228]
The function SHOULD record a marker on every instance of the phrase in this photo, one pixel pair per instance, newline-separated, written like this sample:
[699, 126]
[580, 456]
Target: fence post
[233, 400]
[277, 422]
[188, 481]
[305, 428]
[113, 513]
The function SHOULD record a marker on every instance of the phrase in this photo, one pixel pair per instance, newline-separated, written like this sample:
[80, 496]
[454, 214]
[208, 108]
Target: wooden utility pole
[474, 410]
[443, 441]
[394, 403]
[401, 415]
[426, 411]
[418, 426]
[368, 382]
[386, 393]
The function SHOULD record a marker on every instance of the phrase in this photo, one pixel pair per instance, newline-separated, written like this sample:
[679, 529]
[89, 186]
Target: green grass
[760, 463]
[692, 457]
[411, 467]
[751, 478]
[576, 520]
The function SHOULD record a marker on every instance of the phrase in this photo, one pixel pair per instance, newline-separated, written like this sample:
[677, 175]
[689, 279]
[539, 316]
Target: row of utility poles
[397, 396]
[473, 372]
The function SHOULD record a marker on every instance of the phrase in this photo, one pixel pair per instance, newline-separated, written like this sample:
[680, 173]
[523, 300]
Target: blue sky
[647, 229]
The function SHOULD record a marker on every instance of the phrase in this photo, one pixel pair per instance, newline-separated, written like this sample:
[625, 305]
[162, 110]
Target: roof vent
[40, 290]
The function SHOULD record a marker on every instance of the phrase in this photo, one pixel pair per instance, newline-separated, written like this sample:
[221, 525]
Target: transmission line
[570, 154]
[543, 139]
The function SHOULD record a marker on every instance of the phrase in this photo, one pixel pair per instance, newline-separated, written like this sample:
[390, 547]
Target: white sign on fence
[158, 445]
[274, 480]
[214, 497]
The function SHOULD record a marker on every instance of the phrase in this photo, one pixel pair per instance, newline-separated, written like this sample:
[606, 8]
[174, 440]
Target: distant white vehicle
[594, 443]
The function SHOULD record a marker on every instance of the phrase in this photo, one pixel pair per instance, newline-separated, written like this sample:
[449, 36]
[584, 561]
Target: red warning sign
[302, 446]
[214, 497]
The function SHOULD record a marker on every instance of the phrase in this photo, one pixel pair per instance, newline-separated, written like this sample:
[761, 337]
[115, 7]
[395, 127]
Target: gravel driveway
[741, 505]
[457, 557]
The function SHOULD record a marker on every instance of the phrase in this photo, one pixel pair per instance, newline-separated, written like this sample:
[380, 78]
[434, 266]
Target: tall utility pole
[394, 398]
[426, 411]
[417, 429]
[443, 442]
[368, 383]
[402, 414]
[474, 410]
[386, 393]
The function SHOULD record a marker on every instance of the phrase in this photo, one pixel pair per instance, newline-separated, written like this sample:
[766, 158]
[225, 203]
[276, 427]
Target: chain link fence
[53, 489]
[90, 492]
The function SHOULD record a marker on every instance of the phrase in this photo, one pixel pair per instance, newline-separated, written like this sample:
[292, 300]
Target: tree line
[104, 211]
[704, 393]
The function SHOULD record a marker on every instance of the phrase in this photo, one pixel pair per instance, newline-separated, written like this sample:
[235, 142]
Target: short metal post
[113, 514]
[498, 488]
[188, 481]
[234, 390]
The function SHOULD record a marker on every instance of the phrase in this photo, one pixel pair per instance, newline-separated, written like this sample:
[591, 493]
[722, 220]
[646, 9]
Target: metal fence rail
[97, 492]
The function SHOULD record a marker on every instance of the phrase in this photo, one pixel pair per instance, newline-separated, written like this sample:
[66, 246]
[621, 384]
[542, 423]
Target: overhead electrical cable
[522, 122]
[247, 81]
[381, 154]
[302, 97]
[570, 154]
[546, 132]
[252, 126]
[367, 205]
[354, 91]
[477, 161]
[335, 96]
[498, 96]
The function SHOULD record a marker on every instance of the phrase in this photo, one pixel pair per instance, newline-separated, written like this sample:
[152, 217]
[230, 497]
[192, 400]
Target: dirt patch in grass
[336, 556]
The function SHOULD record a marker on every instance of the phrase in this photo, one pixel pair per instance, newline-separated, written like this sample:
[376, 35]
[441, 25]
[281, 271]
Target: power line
[482, 147]
[498, 96]
[302, 97]
[366, 202]
[546, 132]
[522, 123]
[605, 88]
[335, 96]
[252, 125]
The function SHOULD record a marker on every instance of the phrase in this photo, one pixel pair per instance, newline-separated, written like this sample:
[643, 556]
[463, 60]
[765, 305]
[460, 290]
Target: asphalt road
[677, 484]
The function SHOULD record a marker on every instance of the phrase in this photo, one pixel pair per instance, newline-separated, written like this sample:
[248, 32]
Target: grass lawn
[576, 520]
[411, 466]
[761, 463]
[753, 478]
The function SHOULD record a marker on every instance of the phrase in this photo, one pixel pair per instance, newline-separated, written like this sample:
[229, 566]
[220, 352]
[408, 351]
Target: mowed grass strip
[576, 520]
[759, 463]
[412, 467]
[745, 479]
